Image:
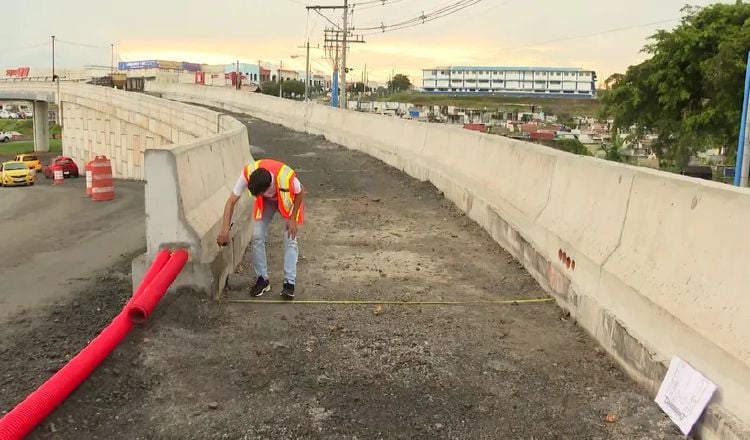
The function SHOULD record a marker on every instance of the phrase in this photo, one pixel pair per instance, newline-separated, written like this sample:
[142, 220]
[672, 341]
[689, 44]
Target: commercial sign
[22, 72]
[127, 65]
[191, 67]
[169, 65]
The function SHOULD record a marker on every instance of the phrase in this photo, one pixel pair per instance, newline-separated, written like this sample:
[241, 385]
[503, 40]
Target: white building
[533, 81]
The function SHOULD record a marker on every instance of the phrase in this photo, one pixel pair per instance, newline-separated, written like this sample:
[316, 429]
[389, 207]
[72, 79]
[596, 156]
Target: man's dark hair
[259, 182]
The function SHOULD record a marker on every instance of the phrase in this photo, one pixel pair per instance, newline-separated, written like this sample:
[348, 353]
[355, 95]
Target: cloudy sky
[603, 35]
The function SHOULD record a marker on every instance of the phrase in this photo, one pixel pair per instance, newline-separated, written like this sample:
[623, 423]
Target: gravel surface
[202, 370]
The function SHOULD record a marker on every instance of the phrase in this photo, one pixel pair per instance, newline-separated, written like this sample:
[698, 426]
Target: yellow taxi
[15, 173]
[30, 160]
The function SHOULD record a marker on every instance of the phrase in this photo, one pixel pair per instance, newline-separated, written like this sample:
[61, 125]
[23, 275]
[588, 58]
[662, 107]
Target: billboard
[159, 64]
[20, 72]
[169, 65]
[191, 67]
[127, 65]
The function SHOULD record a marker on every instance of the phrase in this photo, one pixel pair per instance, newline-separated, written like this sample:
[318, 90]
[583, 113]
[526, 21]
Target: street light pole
[112, 60]
[53, 58]
[307, 73]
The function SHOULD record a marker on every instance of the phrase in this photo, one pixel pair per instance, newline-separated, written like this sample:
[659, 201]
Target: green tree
[690, 90]
[293, 88]
[269, 88]
[612, 152]
[399, 83]
[358, 87]
[288, 88]
[572, 146]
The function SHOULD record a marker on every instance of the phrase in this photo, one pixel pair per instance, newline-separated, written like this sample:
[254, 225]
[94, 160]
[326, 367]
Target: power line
[373, 4]
[73, 43]
[32, 46]
[419, 18]
[606, 31]
[328, 19]
[422, 19]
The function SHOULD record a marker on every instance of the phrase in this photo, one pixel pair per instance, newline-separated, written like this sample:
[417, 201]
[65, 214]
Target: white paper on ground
[684, 394]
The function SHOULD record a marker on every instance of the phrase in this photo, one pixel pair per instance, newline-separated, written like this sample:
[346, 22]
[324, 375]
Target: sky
[605, 36]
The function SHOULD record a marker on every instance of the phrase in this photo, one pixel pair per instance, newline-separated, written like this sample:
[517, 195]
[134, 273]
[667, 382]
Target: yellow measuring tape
[399, 303]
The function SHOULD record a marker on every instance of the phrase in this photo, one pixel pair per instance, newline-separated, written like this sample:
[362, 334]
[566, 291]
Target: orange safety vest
[282, 176]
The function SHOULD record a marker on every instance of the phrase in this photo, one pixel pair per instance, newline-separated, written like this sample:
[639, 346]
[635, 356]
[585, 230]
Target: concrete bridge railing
[651, 264]
[188, 156]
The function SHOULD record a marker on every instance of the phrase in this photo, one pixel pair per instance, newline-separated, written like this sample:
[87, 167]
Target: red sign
[21, 72]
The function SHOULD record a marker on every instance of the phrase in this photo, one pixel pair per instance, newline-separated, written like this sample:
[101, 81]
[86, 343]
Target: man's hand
[291, 228]
[223, 238]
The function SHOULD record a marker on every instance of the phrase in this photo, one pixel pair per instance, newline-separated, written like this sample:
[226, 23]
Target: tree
[293, 87]
[399, 83]
[289, 88]
[613, 80]
[612, 152]
[359, 87]
[572, 146]
[690, 90]
[269, 88]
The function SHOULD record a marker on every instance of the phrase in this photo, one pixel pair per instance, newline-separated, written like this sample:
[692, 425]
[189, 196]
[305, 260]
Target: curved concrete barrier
[189, 157]
[651, 264]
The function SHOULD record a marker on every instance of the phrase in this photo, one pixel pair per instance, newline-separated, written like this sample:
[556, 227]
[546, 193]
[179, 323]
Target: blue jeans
[260, 235]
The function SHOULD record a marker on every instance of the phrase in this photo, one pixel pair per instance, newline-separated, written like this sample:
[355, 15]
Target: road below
[54, 239]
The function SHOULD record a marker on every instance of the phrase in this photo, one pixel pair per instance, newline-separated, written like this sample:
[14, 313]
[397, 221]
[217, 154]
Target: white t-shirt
[270, 193]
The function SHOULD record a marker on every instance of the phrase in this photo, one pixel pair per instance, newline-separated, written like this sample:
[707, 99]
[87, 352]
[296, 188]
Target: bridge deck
[364, 371]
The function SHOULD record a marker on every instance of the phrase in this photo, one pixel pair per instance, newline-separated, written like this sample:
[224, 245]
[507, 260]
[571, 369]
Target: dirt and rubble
[202, 370]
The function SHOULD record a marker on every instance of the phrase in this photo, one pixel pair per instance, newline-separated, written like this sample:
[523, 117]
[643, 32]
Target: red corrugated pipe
[143, 305]
[38, 405]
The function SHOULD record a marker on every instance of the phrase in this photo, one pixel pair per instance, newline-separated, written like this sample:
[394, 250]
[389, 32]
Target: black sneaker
[261, 286]
[288, 291]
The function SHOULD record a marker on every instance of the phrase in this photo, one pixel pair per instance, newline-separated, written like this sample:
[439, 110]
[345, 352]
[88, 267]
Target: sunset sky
[493, 32]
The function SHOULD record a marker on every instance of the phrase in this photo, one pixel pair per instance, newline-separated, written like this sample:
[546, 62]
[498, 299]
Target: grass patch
[555, 106]
[25, 126]
[13, 148]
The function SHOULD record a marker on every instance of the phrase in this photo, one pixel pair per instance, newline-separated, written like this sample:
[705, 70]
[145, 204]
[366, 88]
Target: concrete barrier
[189, 156]
[651, 264]
[186, 189]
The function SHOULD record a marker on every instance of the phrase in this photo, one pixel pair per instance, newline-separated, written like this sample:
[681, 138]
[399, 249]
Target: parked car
[24, 114]
[15, 173]
[30, 160]
[69, 168]
[5, 114]
[5, 136]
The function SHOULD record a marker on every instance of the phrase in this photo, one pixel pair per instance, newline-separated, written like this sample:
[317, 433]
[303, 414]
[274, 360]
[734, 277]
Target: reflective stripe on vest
[284, 190]
[252, 166]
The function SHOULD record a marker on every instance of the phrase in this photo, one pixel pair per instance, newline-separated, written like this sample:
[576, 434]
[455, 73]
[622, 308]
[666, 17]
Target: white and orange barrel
[57, 174]
[88, 178]
[102, 184]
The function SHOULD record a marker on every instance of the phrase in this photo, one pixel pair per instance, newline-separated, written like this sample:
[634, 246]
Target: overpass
[40, 101]
[650, 264]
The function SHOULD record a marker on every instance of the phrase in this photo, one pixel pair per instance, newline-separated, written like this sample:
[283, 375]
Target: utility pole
[307, 73]
[112, 60]
[344, 32]
[53, 58]
[343, 103]
[281, 80]
[237, 77]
